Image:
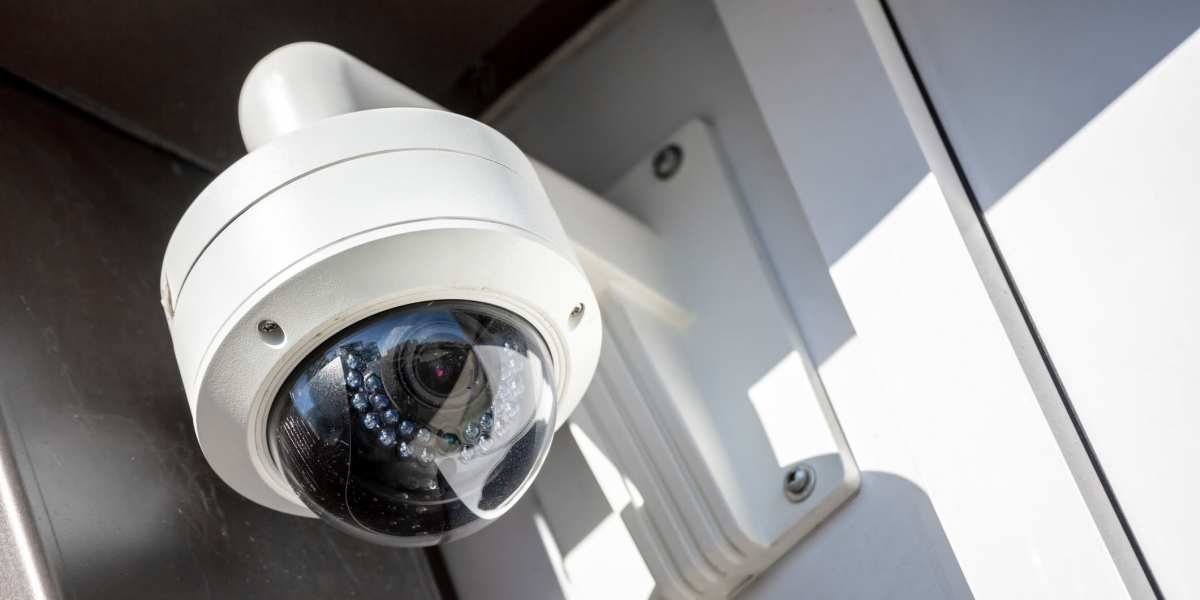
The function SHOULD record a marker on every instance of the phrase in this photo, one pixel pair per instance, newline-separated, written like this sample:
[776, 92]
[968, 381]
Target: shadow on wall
[853, 555]
[1013, 81]
[480, 567]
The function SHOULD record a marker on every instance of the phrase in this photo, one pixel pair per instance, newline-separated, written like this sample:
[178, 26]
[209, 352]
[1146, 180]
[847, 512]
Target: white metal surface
[1088, 177]
[302, 83]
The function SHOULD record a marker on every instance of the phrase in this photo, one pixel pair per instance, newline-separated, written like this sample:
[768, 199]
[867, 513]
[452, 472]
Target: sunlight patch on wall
[778, 399]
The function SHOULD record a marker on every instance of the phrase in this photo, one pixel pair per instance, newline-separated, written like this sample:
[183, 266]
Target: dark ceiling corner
[169, 73]
[530, 42]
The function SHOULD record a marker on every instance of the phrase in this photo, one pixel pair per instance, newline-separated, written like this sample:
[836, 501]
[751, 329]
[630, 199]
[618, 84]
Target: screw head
[667, 161]
[798, 482]
[576, 315]
[270, 332]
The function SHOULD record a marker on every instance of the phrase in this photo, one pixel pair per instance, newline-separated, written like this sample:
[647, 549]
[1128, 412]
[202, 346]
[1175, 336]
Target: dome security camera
[377, 315]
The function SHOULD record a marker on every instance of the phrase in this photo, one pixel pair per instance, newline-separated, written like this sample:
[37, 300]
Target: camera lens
[418, 425]
[437, 365]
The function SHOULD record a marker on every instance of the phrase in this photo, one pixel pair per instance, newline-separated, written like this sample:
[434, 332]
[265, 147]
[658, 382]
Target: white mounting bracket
[691, 429]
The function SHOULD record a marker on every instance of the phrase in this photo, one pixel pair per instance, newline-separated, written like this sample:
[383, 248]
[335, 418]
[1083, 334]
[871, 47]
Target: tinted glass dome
[418, 425]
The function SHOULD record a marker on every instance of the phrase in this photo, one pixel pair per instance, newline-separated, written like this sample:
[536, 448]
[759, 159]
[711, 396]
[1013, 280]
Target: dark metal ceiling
[170, 71]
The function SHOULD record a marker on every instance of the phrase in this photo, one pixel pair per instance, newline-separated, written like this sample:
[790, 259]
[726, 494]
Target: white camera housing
[342, 219]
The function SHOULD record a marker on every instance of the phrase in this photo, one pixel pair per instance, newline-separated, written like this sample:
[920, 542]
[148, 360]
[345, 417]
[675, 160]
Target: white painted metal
[1088, 179]
[302, 83]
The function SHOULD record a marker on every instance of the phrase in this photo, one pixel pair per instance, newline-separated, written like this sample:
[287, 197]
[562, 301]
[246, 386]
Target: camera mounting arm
[302, 83]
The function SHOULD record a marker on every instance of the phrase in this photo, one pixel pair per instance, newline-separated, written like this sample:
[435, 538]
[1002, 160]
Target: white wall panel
[1076, 126]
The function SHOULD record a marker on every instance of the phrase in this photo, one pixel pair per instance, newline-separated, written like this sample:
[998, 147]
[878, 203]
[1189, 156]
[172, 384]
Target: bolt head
[667, 161]
[798, 482]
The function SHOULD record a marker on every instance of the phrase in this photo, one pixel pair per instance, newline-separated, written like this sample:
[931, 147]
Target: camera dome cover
[418, 425]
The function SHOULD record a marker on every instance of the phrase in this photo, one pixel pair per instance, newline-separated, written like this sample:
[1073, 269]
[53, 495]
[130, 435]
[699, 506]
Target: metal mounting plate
[704, 419]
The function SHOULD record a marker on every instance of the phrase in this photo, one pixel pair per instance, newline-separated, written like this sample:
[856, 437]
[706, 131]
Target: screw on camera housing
[667, 162]
[270, 332]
